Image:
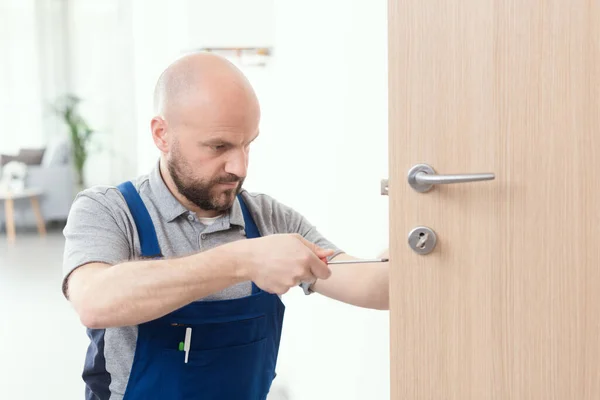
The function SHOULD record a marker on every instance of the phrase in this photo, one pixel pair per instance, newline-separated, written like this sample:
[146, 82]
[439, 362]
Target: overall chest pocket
[216, 334]
[232, 373]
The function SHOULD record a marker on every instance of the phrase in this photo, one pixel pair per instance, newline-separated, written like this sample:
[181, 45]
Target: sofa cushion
[31, 156]
[6, 158]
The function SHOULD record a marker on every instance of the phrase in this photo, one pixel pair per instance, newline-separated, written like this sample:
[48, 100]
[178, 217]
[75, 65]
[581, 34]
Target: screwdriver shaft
[376, 260]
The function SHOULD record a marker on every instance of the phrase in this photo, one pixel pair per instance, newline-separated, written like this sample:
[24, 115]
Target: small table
[9, 197]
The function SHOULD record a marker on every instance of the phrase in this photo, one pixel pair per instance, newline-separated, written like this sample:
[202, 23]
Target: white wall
[328, 141]
[100, 63]
[21, 109]
[322, 150]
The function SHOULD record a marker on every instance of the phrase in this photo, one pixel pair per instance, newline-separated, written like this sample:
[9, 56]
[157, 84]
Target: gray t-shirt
[100, 228]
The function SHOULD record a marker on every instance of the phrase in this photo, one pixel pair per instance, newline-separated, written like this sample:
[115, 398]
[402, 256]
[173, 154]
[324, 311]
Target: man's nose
[237, 164]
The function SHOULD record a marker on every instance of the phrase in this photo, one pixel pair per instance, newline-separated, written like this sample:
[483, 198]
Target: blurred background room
[76, 85]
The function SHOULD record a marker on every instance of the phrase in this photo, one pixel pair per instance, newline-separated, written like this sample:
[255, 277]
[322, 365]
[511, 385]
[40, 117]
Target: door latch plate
[384, 187]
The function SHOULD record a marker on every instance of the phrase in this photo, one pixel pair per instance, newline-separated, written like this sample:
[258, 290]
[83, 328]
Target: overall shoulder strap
[251, 228]
[143, 222]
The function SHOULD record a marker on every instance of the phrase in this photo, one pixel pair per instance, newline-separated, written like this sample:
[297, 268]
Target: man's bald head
[200, 79]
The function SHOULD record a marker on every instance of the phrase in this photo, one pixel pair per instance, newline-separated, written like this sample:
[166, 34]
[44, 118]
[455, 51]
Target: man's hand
[277, 263]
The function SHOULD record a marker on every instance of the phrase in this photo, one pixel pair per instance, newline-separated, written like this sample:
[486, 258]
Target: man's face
[208, 154]
[203, 185]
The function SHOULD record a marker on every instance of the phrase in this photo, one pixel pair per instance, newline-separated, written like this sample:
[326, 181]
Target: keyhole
[423, 240]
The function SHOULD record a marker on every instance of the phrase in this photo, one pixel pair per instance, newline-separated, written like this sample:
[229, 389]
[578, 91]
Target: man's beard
[199, 192]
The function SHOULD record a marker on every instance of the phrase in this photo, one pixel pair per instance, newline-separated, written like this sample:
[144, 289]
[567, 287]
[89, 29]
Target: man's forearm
[362, 285]
[135, 292]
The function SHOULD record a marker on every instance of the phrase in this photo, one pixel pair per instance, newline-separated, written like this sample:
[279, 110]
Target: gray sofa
[54, 175]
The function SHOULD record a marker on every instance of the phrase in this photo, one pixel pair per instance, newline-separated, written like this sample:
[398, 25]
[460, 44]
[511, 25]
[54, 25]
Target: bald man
[177, 274]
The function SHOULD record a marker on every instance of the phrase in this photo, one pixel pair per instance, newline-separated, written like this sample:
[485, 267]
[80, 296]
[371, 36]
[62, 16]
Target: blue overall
[234, 343]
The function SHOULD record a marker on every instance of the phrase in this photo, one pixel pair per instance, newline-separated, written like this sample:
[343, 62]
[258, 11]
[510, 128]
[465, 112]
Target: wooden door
[507, 306]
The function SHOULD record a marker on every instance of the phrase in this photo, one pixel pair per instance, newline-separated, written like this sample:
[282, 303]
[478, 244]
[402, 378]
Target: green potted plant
[79, 132]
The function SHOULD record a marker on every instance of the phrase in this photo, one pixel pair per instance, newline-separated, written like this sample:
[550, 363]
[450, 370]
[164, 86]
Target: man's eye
[218, 147]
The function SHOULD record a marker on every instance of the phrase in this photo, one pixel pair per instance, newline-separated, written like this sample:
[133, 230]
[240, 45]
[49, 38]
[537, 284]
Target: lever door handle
[422, 177]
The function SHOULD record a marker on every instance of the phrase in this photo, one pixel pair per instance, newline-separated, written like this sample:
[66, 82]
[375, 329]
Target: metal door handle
[422, 177]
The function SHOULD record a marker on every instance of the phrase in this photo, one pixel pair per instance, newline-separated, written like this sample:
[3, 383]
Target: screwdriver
[375, 260]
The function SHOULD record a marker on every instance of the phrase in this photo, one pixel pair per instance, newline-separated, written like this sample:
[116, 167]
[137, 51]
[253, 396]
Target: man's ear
[159, 134]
